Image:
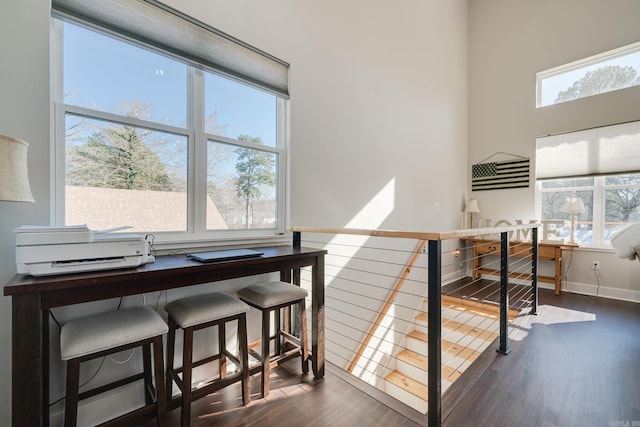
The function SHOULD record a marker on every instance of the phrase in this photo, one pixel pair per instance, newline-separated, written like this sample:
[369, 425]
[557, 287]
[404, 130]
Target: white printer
[42, 250]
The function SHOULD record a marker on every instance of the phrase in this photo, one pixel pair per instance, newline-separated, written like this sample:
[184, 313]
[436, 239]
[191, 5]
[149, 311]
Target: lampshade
[472, 206]
[14, 181]
[573, 205]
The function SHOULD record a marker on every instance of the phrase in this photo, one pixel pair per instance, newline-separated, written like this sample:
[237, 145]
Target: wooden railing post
[434, 333]
[534, 271]
[504, 293]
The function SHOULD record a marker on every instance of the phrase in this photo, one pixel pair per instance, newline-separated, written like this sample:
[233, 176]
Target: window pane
[235, 110]
[622, 207]
[242, 186]
[553, 204]
[613, 70]
[568, 183]
[623, 180]
[105, 74]
[120, 175]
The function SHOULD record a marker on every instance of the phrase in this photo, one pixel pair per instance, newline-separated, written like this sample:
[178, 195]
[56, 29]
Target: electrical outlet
[595, 265]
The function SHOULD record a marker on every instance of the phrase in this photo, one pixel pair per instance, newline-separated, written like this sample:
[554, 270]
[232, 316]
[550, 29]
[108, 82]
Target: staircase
[468, 328]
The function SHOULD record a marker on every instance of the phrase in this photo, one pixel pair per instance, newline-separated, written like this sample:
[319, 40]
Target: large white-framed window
[610, 203]
[612, 70]
[162, 143]
[597, 168]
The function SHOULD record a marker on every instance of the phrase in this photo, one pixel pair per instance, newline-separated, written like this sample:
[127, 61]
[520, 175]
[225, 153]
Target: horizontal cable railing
[408, 312]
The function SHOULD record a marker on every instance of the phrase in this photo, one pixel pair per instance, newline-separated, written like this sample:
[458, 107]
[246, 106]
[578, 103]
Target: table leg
[317, 317]
[45, 367]
[26, 363]
[475, 264]
[558, 273]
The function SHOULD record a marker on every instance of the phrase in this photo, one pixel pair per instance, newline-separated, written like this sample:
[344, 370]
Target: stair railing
[433, 241]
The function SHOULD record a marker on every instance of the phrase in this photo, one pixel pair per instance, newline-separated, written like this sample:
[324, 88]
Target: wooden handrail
[387, 305]
[418, 235]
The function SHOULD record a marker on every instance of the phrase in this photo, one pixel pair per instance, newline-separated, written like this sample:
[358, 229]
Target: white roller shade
[159, 26]
[605, 150]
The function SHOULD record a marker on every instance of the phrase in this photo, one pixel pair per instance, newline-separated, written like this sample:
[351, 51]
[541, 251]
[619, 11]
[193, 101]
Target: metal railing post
[434, 334]
[504, 293]
[534, 271]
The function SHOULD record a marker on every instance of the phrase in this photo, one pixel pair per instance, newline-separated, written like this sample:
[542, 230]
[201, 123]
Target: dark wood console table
[32, 297]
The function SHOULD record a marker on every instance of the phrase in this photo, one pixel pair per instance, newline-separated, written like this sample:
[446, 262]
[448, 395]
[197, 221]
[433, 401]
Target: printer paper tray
[67, 267]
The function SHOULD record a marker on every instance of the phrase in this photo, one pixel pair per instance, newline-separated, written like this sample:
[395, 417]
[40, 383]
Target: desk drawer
[517, 249]
[487, 248]
[546, 252]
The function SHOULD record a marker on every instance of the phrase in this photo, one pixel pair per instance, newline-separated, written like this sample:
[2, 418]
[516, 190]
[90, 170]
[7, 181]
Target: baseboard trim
[602, 291]
[584, 289]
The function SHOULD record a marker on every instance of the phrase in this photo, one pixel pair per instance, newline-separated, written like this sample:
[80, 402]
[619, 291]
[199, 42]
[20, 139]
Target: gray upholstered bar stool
[200, 312]
[111, 332]
[271, 297]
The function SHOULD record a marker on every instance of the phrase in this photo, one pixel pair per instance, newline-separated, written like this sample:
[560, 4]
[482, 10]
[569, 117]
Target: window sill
[170, 244]
[584, 247]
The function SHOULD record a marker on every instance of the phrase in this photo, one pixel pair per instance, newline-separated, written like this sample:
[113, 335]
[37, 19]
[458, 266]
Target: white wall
[24, 113]
[378, 112]
[509, 42]
[378, 103]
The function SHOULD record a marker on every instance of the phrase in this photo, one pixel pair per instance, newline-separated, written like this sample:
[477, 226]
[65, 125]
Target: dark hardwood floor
[577, 363]
[295, 400]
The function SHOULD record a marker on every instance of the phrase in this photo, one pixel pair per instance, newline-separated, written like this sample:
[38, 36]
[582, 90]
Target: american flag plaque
[500, 175]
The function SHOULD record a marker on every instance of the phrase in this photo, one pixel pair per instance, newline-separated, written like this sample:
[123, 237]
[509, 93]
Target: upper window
[162, 145]
[606, 72]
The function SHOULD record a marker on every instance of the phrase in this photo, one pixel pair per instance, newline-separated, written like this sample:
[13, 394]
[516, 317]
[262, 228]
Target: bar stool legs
[108, 333]
[200, 312]
[269, 298]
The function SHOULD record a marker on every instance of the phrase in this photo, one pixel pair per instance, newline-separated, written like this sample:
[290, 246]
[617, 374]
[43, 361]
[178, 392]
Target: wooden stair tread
[479, 310]
[477, 307]
[420, 361]
[448, 346]
[463, 328]
[413, 358]
[406, 383]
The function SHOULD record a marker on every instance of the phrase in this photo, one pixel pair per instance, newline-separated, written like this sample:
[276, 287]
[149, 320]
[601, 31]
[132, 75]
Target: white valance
[161, 27]
[605, 150]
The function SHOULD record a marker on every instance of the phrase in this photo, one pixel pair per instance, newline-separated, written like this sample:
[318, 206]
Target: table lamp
[14, 181]
[471, 208]
[573, 206]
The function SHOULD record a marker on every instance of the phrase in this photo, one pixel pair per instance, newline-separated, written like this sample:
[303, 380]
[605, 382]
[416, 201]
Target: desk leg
[317, 317]
[475, 264]
[26, 363]
[286, 276]
[558, 275]
[45, 367]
